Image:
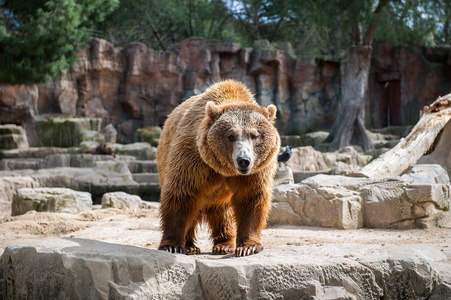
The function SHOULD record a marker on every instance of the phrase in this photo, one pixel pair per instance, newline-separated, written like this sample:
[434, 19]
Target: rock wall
[136, 86]
[405, 79]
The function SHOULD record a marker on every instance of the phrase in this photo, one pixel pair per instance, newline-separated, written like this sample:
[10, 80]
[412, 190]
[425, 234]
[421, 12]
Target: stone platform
[86, 269]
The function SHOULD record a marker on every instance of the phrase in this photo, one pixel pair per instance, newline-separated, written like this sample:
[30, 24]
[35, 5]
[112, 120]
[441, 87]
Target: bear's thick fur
[216, 160]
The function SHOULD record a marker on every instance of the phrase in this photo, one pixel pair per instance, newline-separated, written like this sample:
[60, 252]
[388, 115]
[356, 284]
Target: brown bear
[216, 160]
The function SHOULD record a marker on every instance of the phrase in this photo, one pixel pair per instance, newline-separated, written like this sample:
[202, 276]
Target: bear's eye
[232, 138]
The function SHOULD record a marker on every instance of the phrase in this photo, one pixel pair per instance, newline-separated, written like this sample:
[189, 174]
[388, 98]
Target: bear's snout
[243, 164]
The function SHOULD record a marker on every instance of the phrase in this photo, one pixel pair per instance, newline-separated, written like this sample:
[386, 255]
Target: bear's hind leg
[190, 244]
[221, 221]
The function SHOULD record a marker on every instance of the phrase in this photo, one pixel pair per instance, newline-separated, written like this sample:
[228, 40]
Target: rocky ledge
[72, 268]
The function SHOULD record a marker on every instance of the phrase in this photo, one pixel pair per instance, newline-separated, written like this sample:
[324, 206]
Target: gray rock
[408, 201]
[38, 152]
[91, 136]
[109, 133]
[142, 151]
[103, 177]
[64, 131]
[146, 177]
[113, 168]
[299, 176]
[284, 175]
[21, 164]
[13, 137]
[345, 160]
[307, 159]
[10, 184]
[149, 135]
[50, 200]
[121, 200]
[143, 166]
[86, 269]
[290, 140]
[313, 138]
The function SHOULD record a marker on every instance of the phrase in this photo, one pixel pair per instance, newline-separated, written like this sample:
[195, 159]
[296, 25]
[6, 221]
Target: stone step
[10, 164]
[89, 269]
[143, 166]
[145, 177]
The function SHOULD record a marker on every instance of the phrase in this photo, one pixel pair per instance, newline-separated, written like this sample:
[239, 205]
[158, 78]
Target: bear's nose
[243, 162]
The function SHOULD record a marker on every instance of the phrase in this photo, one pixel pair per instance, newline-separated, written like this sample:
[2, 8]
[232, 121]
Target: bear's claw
[173, 249]
[221, 249]
[248, 250]
[192, 250]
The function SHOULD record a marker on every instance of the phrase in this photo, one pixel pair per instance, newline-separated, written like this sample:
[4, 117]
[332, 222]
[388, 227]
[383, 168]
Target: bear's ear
[212, 110]
[272, 110]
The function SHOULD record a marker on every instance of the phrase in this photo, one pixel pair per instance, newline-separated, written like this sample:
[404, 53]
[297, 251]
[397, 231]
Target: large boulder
[10, 184]
[417, 199]
[142, 150]
[50, 200]
[149, 135]
[307, 159]
[121, 200]
[13, 137]
[64, 131]
[86, 269]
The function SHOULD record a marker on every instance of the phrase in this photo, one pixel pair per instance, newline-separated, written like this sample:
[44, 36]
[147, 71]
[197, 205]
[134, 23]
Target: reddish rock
[137, 87]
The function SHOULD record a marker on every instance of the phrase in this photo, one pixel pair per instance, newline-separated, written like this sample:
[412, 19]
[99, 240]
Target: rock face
[417, 199]
[64, 131]
[405, 79]
[307, 159]
[13, 137]
[51, 200]
[85, 269]
[137, 87]
[121, 200]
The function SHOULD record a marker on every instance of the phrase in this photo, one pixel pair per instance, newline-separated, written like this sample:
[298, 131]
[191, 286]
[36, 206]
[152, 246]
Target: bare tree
[349, 126]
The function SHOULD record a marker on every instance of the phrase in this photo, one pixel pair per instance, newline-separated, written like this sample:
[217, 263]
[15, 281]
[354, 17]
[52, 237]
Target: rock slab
[50, 200]
[85, 269]
[417, 199]
[13, 137]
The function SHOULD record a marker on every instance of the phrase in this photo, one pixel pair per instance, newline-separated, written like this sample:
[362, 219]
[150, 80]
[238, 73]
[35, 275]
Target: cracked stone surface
[88, 269]
[418, 199]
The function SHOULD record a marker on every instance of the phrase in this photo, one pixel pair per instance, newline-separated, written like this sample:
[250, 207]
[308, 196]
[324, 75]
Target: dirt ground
[141, 229]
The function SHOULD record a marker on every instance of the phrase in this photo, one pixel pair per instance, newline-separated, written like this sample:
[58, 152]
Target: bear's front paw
[248, 250]
[173, 249]
[192, 250]
[221, 249]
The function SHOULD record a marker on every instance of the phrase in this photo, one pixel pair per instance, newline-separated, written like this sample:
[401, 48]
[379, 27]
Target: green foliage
[421, 22]
[160, 24]
[323, 28]
[39, 39]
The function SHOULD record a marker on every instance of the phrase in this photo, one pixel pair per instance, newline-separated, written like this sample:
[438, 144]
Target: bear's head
[238, 138]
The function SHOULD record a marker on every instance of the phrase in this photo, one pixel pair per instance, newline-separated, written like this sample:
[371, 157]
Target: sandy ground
[141, 229]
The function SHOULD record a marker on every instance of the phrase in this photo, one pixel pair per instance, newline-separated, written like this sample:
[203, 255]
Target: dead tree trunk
[419, 141]
[349, 126]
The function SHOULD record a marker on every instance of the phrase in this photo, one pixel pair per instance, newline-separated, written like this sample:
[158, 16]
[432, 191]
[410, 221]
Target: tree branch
[276, 29]
[368, 40]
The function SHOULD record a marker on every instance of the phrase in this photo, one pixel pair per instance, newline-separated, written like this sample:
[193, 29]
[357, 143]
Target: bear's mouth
[244, 171]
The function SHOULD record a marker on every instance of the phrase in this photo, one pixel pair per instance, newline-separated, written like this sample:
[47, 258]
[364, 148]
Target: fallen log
[409, 150]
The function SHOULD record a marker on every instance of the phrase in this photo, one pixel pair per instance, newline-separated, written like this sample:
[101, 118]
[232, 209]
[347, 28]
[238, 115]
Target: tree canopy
[315, 28]
[39, 38]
